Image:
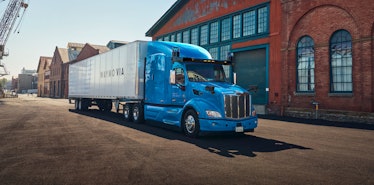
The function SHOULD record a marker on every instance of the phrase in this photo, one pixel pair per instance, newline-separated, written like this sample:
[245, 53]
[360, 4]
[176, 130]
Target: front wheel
[191, 125]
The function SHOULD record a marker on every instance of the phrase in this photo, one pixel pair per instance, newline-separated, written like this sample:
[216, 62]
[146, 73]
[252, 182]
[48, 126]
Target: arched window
[341, 62]
[305, 65]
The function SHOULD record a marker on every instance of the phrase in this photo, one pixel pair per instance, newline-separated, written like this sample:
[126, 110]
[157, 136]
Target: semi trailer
[171, 83]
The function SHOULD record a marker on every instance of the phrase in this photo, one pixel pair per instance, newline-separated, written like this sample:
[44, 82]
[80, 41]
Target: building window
[262, 20]
[305, 65]
[186, 36]
[249, 23]
[172, 38]
[204, 35]
[179, 37]
[214, 32]
[226, 29]
[195, 36]
[237, 26]
[224, 52]
[166, 38]
[341, 62]
[214, 53]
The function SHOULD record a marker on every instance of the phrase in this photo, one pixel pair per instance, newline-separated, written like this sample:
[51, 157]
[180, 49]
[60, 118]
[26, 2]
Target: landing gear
[82, 104]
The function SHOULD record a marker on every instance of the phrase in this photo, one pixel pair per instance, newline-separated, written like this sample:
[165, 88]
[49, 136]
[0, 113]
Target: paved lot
[42, 142]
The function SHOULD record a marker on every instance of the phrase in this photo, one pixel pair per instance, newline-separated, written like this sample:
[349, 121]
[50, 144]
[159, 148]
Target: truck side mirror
[172, 77]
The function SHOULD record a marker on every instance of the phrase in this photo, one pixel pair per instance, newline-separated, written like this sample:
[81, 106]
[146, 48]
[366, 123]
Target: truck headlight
[213, 114]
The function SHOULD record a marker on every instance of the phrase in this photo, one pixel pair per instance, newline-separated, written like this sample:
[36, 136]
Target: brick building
[60, 57]
[59, 69]
[327, 55]
[250, 29]
[115, 44]
[90, 50]
[291, 54]
[43, 76]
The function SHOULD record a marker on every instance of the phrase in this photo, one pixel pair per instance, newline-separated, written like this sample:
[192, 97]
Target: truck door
[178, 90]
[156, 79]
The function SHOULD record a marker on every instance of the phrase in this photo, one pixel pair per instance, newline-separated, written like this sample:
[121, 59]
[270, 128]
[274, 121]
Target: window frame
[341, 79]
[214, 32]
[226, 29]
[305, 43]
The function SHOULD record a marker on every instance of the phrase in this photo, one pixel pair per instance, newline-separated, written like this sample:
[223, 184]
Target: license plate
[239, 129]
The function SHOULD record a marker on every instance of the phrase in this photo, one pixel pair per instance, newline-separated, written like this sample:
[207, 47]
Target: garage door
[251, 73]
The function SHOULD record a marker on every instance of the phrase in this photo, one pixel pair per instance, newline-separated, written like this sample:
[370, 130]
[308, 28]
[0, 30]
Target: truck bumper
[214, 125]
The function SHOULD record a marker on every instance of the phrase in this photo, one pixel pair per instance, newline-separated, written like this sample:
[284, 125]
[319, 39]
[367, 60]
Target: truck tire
[190, 123]
[76, 104]
[84, 104]
[80, 105]
[137, 113]
[127, 112]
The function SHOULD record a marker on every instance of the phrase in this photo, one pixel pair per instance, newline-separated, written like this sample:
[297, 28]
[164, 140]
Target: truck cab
[185, 87]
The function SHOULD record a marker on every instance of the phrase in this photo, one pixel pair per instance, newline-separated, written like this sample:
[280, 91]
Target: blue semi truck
[171, 83]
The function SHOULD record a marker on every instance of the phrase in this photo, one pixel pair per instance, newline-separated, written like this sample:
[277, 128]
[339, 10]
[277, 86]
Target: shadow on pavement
[227, 145]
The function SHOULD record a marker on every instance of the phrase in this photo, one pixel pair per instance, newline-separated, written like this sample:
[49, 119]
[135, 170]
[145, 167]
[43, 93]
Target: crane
[7, 22]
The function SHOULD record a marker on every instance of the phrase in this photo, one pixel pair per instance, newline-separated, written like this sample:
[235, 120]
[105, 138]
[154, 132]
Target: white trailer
[109, 76]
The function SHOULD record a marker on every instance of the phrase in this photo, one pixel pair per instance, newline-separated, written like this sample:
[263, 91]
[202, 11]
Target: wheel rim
[80, 105]
[126, 112]
[135, 113]
[190, 124]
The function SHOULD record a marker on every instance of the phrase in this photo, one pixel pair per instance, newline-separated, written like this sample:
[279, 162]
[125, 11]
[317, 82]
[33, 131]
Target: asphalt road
[42, 142]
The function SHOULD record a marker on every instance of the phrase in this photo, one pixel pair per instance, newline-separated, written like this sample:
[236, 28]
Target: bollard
[315, 103]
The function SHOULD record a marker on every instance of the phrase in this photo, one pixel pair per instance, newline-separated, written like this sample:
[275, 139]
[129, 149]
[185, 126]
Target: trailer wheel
[127, 112]
[76, 104]
[137, 113]
[80, 105]
[84, 104]
[191, 125]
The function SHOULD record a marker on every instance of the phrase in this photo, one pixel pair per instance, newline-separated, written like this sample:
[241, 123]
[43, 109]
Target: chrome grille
[237, 105]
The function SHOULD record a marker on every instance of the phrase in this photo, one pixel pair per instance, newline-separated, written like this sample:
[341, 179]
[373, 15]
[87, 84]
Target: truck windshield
[205, 72]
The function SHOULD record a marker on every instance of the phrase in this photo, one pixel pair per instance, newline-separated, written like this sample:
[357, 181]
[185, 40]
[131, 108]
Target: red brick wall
[320, 19]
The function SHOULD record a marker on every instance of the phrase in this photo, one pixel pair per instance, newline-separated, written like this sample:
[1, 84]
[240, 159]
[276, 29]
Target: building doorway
[252, 74]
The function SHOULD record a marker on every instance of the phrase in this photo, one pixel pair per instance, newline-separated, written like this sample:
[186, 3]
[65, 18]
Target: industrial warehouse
[308, 59]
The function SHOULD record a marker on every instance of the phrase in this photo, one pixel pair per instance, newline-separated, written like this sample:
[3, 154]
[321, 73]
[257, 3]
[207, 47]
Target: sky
[48, 23]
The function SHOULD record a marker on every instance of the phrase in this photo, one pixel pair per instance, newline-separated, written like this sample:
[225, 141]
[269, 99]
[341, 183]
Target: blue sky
[48, 23]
